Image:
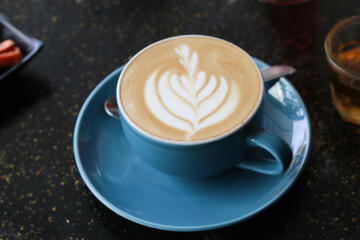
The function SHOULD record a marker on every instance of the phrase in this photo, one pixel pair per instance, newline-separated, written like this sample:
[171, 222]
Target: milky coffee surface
[190, 88]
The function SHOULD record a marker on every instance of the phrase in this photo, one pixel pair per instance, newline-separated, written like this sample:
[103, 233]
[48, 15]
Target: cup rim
[327, 46]
[125, 116]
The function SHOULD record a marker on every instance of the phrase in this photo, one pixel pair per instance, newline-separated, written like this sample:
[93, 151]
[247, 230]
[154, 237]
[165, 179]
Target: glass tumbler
[342, 48]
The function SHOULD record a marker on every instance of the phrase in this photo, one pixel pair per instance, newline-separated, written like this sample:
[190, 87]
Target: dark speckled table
[42, 195]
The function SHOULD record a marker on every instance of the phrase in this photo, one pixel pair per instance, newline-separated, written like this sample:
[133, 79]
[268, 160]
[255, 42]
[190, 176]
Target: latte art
[192, 101]
[189, 88]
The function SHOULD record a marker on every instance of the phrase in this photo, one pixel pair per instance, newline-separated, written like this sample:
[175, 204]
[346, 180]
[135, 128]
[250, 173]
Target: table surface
[42, 195]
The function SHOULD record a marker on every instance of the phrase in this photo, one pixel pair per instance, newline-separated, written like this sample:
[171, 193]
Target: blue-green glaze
[132, 189]
[212, 156]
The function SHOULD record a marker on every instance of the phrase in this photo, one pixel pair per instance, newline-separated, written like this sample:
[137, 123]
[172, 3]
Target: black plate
[28, 45]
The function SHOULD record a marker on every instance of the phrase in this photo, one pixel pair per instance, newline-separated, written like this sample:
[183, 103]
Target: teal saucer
[139, 193]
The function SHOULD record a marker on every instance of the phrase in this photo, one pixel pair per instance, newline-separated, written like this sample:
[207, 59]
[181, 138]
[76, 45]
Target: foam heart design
[191, 101]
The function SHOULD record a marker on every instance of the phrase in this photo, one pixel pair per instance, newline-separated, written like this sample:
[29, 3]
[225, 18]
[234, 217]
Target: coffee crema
[190, 88]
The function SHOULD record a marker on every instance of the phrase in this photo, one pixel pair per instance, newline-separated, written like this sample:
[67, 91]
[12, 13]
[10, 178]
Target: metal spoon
[270, 73]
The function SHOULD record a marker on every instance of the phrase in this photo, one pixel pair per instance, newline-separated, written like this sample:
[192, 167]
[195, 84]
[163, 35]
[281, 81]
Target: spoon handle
[277, 71]
[111, 107]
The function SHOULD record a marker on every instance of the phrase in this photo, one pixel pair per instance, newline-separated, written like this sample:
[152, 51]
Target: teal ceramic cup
[246, 146]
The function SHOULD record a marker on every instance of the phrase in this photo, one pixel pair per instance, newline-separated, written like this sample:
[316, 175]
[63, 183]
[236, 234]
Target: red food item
[10, 57]
[6, 45]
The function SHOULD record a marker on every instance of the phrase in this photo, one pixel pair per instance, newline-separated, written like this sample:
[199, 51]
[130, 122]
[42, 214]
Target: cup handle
[268, 153]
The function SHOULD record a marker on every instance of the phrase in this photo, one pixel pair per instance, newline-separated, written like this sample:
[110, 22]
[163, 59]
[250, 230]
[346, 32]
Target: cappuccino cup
[190, 106]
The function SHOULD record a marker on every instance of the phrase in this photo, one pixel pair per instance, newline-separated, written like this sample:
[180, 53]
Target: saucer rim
[168, 227]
